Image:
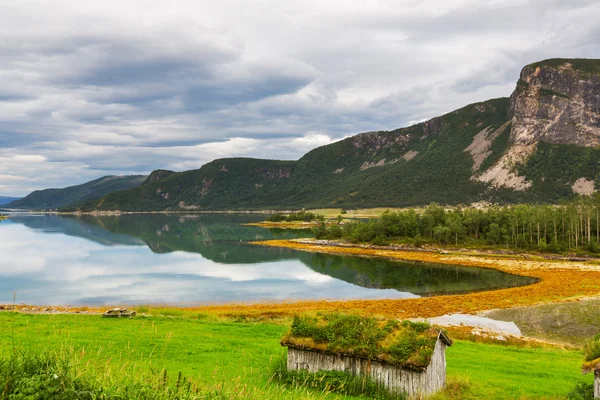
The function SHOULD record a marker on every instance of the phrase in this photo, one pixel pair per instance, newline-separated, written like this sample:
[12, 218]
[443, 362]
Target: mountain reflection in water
[179, 258]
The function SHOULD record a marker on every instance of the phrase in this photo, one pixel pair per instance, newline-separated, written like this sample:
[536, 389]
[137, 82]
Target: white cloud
[95, 88]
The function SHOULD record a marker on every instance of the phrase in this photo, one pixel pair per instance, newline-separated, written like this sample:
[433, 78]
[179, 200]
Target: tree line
[304, 216]
[555, 228]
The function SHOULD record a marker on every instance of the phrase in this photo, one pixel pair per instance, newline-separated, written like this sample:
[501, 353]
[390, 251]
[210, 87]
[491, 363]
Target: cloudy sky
[92, 88]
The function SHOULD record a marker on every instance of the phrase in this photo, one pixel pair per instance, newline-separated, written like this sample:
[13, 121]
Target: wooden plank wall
[396, 379]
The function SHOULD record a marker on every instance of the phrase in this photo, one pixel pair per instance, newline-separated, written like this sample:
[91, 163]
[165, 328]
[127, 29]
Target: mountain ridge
[48, 199]
[7, 199]
[538, 145]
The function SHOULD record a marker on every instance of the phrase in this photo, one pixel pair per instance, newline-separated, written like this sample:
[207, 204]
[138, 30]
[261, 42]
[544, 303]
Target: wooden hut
[594, 366]
[404, 356]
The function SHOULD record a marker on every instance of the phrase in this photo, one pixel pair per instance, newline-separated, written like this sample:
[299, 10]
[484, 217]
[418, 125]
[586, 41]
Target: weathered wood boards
[396, 378]
[597, 384]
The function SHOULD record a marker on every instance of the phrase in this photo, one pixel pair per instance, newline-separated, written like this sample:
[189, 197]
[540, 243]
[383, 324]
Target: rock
[557, 102]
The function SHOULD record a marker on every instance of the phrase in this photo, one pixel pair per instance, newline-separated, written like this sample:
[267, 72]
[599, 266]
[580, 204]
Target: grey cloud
[126, 87]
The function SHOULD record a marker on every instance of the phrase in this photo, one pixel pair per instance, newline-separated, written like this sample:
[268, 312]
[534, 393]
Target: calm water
[189, 259]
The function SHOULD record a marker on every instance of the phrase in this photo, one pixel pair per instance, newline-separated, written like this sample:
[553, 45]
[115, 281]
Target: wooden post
[597, 384]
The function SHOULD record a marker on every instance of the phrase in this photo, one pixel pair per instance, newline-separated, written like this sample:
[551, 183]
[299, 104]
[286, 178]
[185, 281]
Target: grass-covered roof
[403, 343]
[592, 355]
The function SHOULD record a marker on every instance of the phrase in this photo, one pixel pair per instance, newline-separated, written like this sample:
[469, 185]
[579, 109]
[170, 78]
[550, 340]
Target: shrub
[299, 216]
[277, 217]
[582, 391]
[592, 349]
[68, 375]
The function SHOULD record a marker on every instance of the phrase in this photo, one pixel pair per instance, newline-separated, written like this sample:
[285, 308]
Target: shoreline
[117, 212]
[327, 212]
[559, 281]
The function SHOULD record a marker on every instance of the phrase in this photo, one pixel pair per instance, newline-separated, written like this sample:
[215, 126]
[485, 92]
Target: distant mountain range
[50, 199]
[5, 200]
[542, 144]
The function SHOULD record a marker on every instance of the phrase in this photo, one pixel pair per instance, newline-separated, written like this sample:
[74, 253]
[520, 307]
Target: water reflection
[199, 258]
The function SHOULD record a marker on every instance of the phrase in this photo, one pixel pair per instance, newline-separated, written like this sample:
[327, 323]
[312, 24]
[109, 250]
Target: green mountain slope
[56, 198]
[541, 144]
[5, 200]
[375, 169]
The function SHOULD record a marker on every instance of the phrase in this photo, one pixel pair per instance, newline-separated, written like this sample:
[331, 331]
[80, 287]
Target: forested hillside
[55, 198]
[540, 145]
[5, 200]
[374, 169]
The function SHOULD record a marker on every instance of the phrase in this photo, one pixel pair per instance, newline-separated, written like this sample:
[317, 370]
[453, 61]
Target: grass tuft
[68, 374]
[592, 349]
[331, 382]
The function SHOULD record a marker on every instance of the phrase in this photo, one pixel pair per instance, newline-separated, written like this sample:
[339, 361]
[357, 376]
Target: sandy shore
[559, 281]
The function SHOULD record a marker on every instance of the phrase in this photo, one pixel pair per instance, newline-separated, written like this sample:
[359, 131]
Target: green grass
[336, 381]
[235, 357]
[505, 372]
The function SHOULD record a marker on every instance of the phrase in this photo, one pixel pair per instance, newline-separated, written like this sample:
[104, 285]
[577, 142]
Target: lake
[200, 258]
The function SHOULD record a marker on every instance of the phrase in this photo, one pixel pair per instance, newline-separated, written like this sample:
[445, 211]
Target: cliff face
[557, 101]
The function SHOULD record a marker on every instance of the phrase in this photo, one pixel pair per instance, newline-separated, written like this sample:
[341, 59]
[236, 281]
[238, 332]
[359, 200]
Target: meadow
[227, 358]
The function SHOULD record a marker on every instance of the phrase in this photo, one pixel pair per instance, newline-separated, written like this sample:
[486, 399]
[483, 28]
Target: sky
[93, 88]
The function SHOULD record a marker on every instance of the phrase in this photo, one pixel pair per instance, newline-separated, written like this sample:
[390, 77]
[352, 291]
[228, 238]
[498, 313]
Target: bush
[68, 375]
[335, 232]
[380, 240]
[277, 217]
[320, 231]
[592, 349]
[582, 391]
[594, 247]
[299, 216]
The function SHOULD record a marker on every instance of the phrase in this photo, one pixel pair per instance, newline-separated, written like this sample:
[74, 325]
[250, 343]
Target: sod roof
[591, 353]
[403, 343]
[591, 366]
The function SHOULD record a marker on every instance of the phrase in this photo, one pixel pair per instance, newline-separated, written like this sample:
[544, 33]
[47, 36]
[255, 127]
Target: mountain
[5, 200]
[539, 145]
[56, 198]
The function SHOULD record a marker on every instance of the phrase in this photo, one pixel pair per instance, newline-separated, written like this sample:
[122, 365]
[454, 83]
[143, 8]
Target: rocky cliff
[557, 101]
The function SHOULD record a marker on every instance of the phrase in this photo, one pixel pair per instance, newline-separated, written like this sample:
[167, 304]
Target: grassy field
[235, 358]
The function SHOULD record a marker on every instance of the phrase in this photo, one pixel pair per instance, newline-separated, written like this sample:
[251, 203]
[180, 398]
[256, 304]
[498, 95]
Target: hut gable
[592, 362]
[404, 356]
[594, 366]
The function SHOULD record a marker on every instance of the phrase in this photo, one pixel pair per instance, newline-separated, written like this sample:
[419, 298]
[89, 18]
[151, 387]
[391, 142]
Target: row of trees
[305, 216]
[556, 228]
